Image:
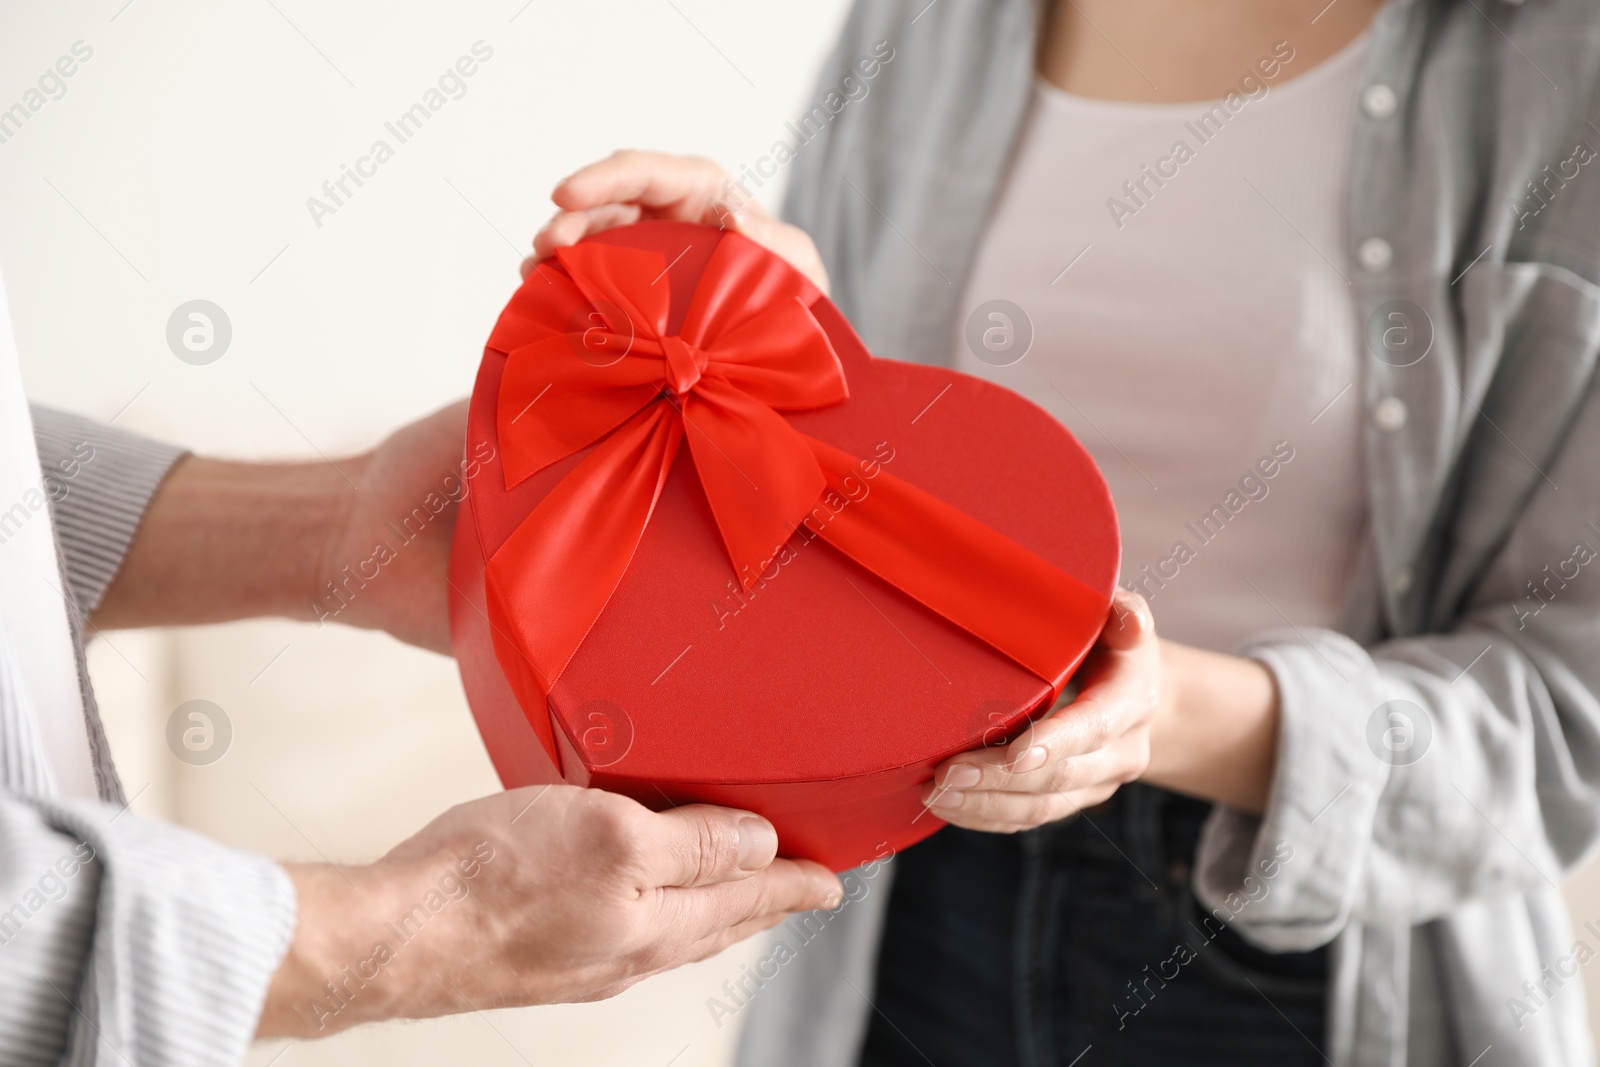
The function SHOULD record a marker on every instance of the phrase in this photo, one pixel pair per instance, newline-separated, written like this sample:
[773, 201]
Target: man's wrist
[387, 940]
[322, 933]
[225, 540]
[333, 975]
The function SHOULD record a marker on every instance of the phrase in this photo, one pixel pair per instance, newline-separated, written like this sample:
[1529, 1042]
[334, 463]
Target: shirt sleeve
[100, 480]
[127, 940]
[1435, 770]
[123, 940]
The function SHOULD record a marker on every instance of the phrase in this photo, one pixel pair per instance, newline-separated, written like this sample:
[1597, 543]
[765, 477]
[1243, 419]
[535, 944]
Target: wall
[176, 166]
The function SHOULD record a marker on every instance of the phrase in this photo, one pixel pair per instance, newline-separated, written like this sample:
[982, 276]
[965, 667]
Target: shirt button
[1375, 255]
[1400, 581]
[1389, 414]
[1379, 101]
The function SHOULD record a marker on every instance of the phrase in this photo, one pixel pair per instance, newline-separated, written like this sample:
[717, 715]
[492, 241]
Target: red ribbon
[590, 362]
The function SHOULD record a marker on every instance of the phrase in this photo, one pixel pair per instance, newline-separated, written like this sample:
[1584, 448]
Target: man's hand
[536, 896]
[628, 186]
[388, 551]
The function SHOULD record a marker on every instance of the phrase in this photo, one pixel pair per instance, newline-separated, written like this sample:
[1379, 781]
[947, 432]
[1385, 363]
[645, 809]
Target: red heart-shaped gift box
[815, 693]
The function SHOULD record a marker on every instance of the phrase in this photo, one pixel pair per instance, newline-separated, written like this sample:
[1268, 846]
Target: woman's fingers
[1007, 813]
[1129, 622]
[1110, 706]
[790, 242]
[1076, 756]
[681, 186]
[628, 186]
[1034, 771]
[1114, 764]
[1025, 762]
[569, 227]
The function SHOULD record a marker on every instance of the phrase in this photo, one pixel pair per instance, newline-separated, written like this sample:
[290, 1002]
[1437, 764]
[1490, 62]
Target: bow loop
[591, 362]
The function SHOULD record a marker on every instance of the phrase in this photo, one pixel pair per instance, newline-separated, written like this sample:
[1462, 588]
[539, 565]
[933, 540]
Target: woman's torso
[1175, 272]
[1153, 275]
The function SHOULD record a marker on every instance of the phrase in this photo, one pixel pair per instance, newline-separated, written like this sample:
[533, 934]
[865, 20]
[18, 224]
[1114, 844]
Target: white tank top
[1182, 270]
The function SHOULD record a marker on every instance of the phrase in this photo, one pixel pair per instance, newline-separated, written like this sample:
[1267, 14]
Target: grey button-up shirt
[1474, 195]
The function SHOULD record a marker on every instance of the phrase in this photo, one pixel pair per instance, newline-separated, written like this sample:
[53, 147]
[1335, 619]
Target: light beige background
[190, 141]
[176, 167]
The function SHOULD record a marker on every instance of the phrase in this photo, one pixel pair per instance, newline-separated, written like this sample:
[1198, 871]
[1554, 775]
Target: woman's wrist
[1215, 731]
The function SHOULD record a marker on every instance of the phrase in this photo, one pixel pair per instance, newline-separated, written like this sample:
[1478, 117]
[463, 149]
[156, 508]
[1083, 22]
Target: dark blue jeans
[1080, 944]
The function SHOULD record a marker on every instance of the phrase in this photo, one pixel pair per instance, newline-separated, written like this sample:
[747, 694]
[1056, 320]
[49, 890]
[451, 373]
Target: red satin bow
[590, 362]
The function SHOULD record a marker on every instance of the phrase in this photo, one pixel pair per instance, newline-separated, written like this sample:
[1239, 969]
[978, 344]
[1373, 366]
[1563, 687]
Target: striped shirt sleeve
[100, 480]
[127, 940]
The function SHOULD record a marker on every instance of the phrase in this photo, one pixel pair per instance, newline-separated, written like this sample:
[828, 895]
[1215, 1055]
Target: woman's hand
[629, 186]
[1075, 757]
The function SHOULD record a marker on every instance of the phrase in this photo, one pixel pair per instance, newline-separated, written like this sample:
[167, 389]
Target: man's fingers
[705, 919]
[700, 845]
[786, 886]
[714, 943]
[793, 885]
[705, 948]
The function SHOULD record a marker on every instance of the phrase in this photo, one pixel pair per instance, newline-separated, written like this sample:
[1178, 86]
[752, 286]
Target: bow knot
[685, 364]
